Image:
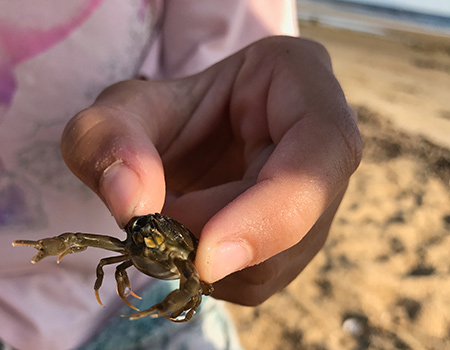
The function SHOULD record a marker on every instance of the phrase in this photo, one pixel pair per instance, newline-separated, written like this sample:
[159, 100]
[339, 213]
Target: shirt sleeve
[196, 34]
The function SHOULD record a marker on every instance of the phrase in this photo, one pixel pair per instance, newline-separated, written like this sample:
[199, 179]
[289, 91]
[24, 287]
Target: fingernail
[229, 257]
[119, 186]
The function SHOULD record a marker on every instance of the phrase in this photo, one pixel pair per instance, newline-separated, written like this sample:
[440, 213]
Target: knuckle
[352, 138]
[294, 50]
[77, 128]
[85, 146]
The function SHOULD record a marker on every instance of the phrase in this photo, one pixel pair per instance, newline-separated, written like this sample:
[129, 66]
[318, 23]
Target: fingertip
[221, 260]
[126, 194]
[119, 186]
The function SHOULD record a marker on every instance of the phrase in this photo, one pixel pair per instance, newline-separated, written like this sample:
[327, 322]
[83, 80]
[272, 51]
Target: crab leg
[100, 273]
[187, 298]
[123, 281]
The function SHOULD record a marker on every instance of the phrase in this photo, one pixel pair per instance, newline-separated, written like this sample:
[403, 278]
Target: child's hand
[255, 153]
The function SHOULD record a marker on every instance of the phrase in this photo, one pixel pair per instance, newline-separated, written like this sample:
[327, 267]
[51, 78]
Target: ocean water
[421, 7]
[432, 16]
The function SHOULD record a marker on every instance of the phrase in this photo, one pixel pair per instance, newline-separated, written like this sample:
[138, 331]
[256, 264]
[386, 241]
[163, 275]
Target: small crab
[156, 245]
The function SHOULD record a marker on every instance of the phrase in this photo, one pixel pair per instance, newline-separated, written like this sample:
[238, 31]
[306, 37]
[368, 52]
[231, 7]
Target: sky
[433, 7]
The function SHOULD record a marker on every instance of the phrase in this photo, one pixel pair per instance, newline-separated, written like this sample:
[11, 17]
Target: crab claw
[68, 251]
[156, 311]
[61, 245]
[46, 247]
[177, 307]
[152, 312]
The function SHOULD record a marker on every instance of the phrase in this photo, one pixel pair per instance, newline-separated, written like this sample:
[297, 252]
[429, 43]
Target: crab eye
[138, 238]
[139, 223]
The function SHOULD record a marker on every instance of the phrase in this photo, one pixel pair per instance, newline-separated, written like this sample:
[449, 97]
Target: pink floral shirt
[55, 58]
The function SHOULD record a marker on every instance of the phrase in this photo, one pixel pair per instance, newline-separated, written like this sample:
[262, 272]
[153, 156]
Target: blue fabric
[211, 327]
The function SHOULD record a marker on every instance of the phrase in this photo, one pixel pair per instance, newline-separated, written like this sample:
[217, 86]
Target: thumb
[109, 150]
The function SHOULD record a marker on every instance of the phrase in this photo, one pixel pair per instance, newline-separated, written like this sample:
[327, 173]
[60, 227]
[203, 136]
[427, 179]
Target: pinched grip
[156, 245]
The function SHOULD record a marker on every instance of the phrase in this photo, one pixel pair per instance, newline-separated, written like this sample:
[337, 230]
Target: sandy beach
[382, 280]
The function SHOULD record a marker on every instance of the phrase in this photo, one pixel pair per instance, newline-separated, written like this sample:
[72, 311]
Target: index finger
[317, 148]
